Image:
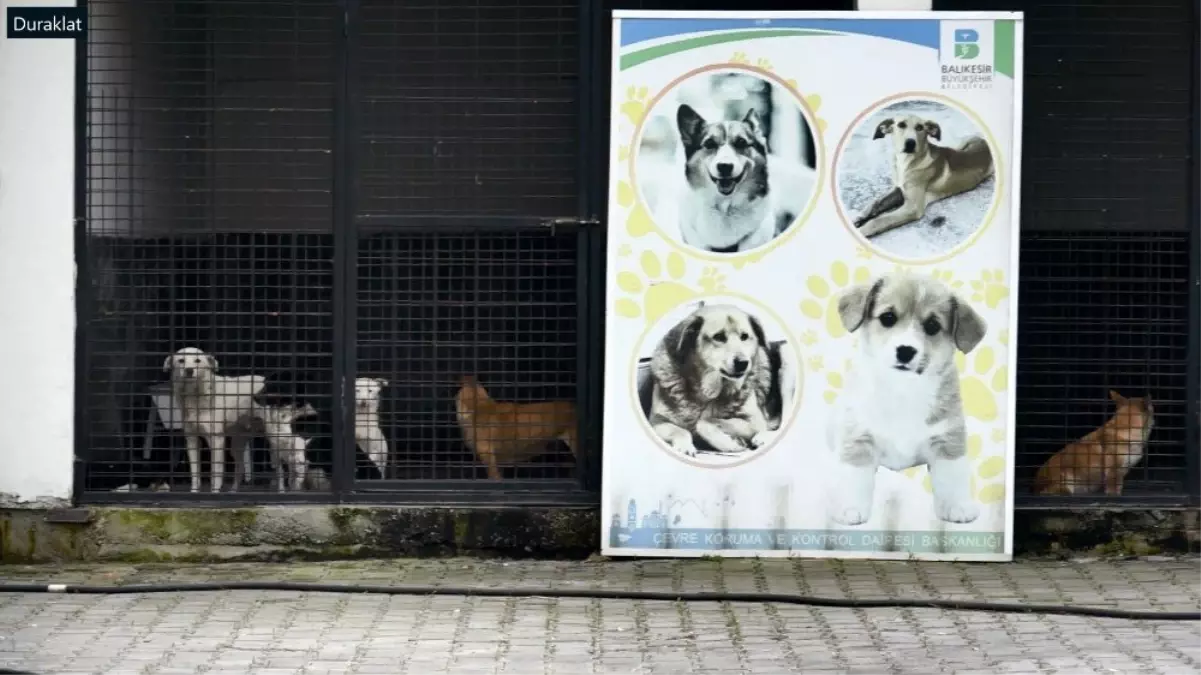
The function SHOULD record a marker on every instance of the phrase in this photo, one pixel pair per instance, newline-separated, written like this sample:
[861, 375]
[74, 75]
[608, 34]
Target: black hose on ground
[607, 594]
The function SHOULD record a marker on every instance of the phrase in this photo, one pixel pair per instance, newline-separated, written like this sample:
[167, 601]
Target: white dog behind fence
[367, 432]
[210, 406]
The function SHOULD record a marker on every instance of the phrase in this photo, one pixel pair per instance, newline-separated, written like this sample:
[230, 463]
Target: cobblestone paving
[278, 633]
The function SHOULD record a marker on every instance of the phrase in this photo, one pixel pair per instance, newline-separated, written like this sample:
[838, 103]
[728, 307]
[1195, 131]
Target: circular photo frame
[717, 381]
[727, 161]
[947, 161]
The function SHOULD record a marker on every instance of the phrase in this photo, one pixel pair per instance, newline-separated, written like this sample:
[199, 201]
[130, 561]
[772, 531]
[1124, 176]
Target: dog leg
[194, 460]
[913, 209]
[678, 438]
[853, 483]
[247, 475]
[889, 202]
[217, 449]
[300, 465]
[951, 483]
[372, 440]
[753, 433]
[719, 439]
[277, 461]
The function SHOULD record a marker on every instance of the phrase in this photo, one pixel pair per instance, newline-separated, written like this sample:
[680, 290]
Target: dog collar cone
[712, 379]
[725, 206]
[923, 172]
[902, 407]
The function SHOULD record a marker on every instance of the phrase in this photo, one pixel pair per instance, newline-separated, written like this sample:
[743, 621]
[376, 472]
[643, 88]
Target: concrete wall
[37, 268]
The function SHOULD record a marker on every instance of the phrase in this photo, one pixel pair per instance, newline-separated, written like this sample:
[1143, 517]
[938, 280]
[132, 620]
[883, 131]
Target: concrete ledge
[123, 534]
[1110, 531]
[207, 534]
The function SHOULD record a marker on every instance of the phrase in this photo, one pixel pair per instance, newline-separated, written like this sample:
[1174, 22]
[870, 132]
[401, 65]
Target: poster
[812, 267]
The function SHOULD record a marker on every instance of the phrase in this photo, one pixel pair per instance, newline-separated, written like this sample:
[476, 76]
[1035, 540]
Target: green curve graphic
[643, 55]
[1003, 32]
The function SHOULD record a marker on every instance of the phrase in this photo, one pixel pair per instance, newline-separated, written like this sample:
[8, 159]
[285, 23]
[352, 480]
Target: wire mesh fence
[432, 332]
[1102, 313]
[213, 239]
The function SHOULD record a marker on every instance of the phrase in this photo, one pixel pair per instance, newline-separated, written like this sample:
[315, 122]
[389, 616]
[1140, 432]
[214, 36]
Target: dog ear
[968, 327]
[855, 305]
[933, 130]
[753, 121]
[1116, 397]
[382, 383]
[757, 329]
[167, 363]
[685, 340]
[882, 129]
[691, 126]
[212, 362]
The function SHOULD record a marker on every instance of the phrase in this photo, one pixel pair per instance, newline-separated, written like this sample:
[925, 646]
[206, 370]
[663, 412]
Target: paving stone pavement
[287, 633]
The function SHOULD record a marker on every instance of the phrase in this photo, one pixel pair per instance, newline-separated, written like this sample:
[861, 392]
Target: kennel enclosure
[324, 190]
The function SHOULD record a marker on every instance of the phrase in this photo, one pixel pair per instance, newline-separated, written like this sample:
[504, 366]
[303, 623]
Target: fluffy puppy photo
[211, 406]
[712, 379]
[902, 406]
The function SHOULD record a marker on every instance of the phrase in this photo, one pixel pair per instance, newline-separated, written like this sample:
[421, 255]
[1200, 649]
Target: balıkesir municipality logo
[966, 54]
[967, 44]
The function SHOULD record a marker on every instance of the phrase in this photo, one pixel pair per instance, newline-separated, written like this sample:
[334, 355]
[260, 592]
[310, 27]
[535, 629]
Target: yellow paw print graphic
[740, 58]
[814, 101]
[765, 64]
[815, 363]
[623, 153]
[822, 305]
[809, 338]
[634, 107]
[990, 288]
[625, 250]
[711, 280]
[835, 381]
[981, 377]
[863, 252]
[638, 222]
[659, 288]
[948, 278]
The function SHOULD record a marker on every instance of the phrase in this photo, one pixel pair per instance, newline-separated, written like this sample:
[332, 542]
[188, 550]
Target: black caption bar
[46, 22]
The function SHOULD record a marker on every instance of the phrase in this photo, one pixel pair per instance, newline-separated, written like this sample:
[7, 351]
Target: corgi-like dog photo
[504, 434]
[727, 208]
[1102, 459]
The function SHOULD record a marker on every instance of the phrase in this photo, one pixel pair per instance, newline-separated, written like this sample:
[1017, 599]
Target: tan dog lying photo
[923, 172]
[504, 434]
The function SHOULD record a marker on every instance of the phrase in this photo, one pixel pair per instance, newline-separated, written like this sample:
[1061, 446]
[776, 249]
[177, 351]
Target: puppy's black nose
[189, 371]
[910, 145]
[725, 169]
[905, 353]
[740, 365]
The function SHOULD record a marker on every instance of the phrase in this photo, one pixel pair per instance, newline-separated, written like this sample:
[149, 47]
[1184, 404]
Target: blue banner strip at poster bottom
[707, 539]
